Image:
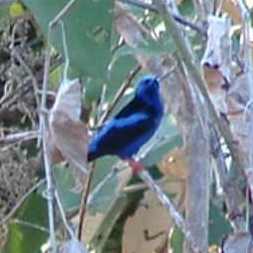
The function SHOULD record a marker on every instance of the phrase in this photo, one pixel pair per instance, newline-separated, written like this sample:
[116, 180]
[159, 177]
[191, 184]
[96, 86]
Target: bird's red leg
[136, 166]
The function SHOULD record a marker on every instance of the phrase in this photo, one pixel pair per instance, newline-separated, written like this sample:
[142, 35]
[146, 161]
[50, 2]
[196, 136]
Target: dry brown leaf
[68, 136]
[53, 153]
[238, 243]
[232, 8]
[147, 230]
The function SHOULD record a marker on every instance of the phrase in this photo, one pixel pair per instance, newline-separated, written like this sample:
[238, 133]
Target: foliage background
[123, 216]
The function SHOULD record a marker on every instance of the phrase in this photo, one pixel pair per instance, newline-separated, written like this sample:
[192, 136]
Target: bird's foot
[136, 166]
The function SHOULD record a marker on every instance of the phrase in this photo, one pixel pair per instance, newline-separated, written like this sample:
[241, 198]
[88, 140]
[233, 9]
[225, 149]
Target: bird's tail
[92, 155]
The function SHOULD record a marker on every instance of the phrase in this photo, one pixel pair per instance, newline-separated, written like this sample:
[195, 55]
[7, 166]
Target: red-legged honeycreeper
[133, 126]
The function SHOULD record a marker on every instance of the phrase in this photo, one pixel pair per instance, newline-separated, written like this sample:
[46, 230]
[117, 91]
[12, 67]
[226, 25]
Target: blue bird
[133, 126]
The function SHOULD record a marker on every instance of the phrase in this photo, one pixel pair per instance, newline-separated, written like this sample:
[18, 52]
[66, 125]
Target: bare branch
[181, 20]
[119, 94]
[18, 137]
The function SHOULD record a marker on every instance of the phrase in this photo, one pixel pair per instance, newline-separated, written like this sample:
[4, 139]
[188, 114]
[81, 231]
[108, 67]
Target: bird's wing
[134, 106]
[120, 133]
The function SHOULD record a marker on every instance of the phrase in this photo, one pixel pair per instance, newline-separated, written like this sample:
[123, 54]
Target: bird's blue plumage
[133, 126]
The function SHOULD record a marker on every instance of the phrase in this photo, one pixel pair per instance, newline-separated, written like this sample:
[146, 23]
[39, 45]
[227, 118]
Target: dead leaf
[232, 8]
[217, 60]
[147, 230]
[68, 136]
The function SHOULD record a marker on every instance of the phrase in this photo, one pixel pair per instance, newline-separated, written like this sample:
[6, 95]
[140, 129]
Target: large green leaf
[219, 226]
[88, 31]
[172, 139]
[26, 236]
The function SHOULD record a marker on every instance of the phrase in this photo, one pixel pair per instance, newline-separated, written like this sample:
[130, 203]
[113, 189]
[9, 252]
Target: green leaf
[25, 236]
[115, 77]
[186, 8]
[219, 226]
[109, 191]
[65, 184]
[177, 240]
[88, 27]
[173, 139]
[149, 47]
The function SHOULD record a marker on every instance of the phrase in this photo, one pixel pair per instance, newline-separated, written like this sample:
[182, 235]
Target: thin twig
[50, 187]
[115, 169]
[120, 93]
[167, 203]
[43, 129]
[18, 137]
[84, 201]
[47, 163]
[177, 17]
[30, 225]
[62, 13]
[142, 186]
[64, 219]
[229, 187]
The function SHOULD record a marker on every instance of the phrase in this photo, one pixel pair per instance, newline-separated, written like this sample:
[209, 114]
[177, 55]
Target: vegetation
[67, 67]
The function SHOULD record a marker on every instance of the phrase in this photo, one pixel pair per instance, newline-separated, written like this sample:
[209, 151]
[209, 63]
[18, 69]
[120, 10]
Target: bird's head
[148, 89]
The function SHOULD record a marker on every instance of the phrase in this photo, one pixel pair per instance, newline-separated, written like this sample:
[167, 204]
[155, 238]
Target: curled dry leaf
[238, 243]
[67, 137]
[217, 60]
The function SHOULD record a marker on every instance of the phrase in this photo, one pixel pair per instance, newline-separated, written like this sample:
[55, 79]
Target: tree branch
[181, 20]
